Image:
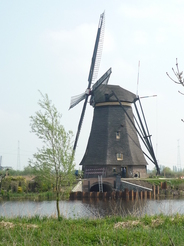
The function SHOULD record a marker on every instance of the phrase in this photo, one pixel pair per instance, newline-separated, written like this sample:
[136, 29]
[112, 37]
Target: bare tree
[179, 76]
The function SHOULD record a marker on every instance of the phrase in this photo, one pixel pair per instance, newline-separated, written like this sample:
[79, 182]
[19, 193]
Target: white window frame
[119, 156]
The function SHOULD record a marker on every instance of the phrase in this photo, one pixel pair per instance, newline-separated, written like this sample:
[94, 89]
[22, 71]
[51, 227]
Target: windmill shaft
[147, 137]
[80, 122]
[131, 121]
[140, 133]
[143, 129]
[138, 126]
[151, 146]
[143, 116]
[93, 69]
[93, 58]
[95, 51]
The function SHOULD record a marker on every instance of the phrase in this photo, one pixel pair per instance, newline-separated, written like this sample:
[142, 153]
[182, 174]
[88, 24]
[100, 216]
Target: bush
[14, 186]
[19, 189]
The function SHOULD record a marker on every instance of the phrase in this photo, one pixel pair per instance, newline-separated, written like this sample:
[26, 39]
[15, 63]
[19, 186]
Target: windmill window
[118, 135]
[119, 156]
[114, 169]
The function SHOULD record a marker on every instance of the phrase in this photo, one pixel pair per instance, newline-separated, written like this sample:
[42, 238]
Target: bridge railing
[130, 186]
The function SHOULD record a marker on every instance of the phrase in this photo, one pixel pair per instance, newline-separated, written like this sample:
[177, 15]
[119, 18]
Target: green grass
[148, 230]
[48, 195]
[171, 183]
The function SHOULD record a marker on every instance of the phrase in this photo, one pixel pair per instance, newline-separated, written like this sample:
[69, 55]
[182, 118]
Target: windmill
[113, 147]
[93, 72]
[114, 144]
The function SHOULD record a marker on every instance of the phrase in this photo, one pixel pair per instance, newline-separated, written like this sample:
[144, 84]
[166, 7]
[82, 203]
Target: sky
[47, 45]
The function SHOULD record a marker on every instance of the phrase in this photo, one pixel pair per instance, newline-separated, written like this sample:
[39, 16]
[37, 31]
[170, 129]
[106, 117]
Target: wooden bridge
[112, 188]
[114, 184]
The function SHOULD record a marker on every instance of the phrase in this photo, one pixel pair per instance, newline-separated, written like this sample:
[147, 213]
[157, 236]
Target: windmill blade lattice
[77, 99]
[95, 62]
[80, 123]
[103, 80]
[96, 58]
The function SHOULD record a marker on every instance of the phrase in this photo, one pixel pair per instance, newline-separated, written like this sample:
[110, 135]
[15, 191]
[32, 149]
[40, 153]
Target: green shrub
[19, 189]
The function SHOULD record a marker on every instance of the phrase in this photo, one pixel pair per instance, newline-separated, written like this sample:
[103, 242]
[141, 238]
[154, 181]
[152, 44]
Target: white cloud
[64, 40]
[82, 36]
[109, 42]
[140, 37]
[139, 12]
[160, 36]
[8, 118]
[164, 12]
[73, 49]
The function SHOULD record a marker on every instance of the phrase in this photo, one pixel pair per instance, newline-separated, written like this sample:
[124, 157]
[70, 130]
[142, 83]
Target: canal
[91, 208]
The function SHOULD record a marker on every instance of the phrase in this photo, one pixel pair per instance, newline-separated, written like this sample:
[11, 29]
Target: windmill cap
[105, 93]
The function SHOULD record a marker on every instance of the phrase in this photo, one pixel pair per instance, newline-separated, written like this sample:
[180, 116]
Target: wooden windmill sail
[113, 146]
[93, 72]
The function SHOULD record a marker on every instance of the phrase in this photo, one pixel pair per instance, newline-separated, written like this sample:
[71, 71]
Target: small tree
[54, 161]
[167, 172]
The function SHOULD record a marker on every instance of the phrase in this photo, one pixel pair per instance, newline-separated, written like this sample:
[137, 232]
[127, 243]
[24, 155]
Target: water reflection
[91, 208]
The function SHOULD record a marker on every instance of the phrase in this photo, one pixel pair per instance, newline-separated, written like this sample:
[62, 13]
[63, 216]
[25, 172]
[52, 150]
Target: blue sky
[47, 46]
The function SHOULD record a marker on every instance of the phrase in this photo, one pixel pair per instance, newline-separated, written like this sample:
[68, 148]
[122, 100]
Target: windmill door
[123, 172]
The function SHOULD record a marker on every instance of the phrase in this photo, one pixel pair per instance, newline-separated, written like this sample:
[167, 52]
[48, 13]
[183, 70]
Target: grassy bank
[155, 230]
[174, 187]
[172, 183]
[34, 196]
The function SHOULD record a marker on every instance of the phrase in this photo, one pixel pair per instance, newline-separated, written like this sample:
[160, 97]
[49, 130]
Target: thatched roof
[104, 93]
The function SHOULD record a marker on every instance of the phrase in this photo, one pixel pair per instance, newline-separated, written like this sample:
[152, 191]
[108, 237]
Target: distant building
[5, 167]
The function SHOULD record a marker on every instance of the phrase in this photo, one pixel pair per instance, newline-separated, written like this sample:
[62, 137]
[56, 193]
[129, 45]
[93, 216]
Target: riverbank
[167, 188]
[147, 230]
[32, 196]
